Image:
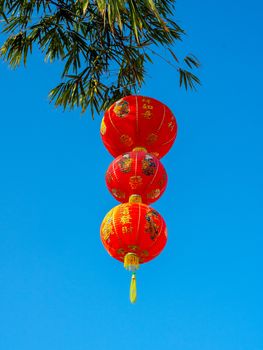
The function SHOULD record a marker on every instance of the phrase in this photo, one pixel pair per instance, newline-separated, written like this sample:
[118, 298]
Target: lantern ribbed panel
[133, 228]
[138, 173]
[138, 121]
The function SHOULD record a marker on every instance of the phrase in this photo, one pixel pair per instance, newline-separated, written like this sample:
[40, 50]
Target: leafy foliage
[103, 45]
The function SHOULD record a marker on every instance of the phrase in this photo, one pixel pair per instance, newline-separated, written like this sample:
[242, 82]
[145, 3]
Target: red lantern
[133, 233]
[138, 121]
[133, 228]
[138, 173]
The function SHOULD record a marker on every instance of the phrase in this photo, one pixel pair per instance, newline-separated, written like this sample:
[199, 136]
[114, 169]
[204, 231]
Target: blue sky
[58, 287]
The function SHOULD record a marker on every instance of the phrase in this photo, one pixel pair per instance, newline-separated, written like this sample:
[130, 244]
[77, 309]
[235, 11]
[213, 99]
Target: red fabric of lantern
[138, 121]
[138, 173]
[133, 228]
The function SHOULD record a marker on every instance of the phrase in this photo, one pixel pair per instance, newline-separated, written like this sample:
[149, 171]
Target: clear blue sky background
[58, 287]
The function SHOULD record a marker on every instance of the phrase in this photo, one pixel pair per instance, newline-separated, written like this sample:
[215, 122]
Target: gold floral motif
[171, 124]
[118, 193]
[154, 194]
[145, 253]
[133, 248]
[121, 251]
[151, 138]
[126, 140]
[103, 127]
[121, 108]
[162, 180]
[135, 182]
[125, 163]
[148, 165]
[151, 226]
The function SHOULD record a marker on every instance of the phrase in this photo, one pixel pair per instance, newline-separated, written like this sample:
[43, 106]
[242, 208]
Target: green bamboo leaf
[85, 4]
[172, 53]
[103, 46]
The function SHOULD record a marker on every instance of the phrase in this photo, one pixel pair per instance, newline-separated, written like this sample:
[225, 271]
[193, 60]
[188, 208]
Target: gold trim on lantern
[131, 262]
[139, 149]
[135, 198]
[103, 127]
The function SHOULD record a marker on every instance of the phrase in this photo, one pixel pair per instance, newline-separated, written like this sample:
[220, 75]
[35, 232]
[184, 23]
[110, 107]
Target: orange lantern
[138, 121]
[133, 233]
[138, 173]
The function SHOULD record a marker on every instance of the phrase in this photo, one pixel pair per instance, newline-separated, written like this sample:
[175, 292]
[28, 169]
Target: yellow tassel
[131, 263]
[133, 289]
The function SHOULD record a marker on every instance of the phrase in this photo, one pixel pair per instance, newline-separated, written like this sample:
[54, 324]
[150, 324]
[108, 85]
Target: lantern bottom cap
[135, 198]
[131, 262]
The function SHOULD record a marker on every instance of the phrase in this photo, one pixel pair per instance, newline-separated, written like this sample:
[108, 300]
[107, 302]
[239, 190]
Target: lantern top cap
[135, 198]
[139, 149]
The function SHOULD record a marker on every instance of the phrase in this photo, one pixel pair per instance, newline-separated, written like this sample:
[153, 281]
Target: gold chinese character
[125, 211]
[147, 114]
[126, 229]
[135, 182]
[147, 106]
[126, 219]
